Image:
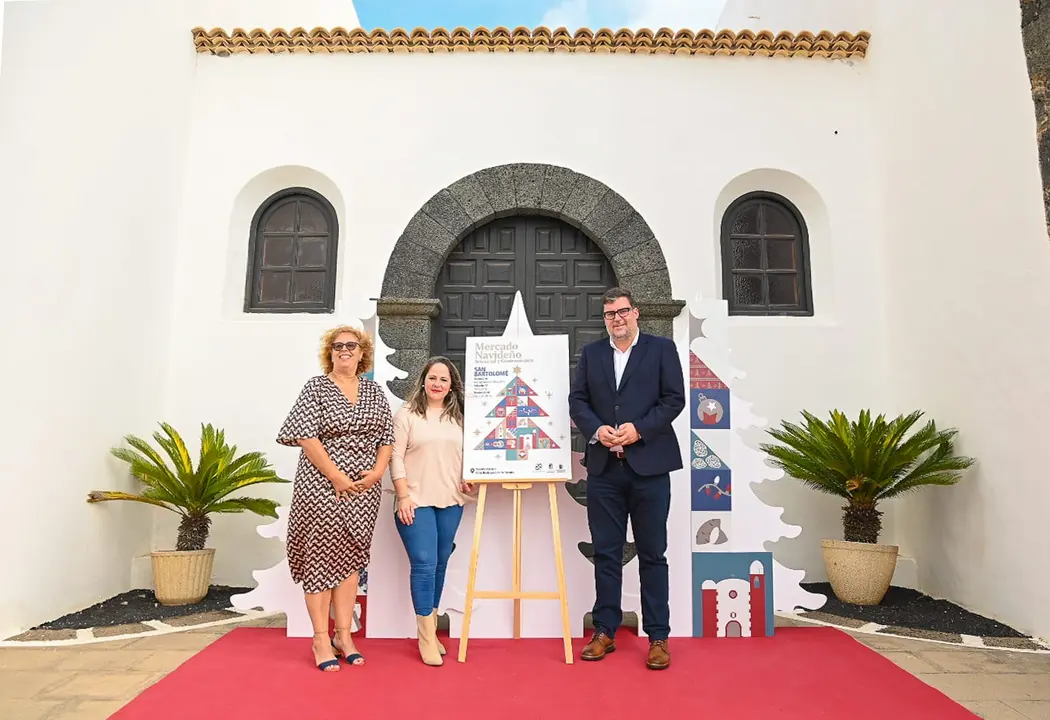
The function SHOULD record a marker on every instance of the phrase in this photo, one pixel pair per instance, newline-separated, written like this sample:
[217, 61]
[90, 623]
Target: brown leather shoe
[599, 646]
[659, 656]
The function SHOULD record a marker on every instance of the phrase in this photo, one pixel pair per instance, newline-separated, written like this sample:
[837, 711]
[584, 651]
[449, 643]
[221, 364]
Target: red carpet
[809, 673]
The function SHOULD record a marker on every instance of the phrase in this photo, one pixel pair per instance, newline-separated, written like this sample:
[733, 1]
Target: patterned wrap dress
[330, 539]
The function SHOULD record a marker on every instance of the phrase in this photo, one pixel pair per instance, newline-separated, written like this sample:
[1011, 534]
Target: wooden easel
[516, 593]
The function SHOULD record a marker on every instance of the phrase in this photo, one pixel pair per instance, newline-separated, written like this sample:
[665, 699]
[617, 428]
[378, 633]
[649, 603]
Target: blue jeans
[428, 542]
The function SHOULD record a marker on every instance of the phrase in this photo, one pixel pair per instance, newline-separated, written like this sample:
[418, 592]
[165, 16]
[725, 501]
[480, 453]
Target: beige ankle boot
[441, 647]
[426, 632]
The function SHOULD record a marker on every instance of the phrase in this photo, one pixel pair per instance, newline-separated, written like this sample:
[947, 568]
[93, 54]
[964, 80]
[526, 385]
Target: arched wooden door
[562, 276]
[560, 272]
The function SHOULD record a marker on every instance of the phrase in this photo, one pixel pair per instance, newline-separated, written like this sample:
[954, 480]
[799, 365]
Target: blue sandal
[325, 664]
[352, 657]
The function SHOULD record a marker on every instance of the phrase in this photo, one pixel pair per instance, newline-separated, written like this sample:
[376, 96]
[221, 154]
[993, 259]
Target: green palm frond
[193, 492]
[259, 506]
[151, 470]
[173, 445]
[866, 460]
[103, 495]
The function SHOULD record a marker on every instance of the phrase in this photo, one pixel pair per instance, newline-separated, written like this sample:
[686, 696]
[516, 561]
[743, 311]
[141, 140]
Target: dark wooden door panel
[561, 274]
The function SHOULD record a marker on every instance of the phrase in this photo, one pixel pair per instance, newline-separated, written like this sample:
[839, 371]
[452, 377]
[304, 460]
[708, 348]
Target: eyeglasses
[622, 312]
[350, 346]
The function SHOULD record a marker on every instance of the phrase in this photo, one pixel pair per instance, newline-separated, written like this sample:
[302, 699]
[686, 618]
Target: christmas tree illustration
[517, 434]
[725, 469]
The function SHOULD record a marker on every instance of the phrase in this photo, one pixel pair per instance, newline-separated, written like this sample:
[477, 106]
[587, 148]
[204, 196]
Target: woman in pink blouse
[427, 469]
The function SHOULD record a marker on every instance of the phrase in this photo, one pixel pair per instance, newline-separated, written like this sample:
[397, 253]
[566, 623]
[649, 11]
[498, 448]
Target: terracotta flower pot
[859, 573]
[182, 577]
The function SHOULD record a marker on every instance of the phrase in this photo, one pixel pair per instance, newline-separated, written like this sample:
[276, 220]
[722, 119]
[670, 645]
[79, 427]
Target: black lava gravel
[138, 605]
[901, 607]
[911, 609]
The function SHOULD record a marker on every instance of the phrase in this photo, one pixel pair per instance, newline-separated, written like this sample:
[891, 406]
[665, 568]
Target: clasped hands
[344, 486]
[625, 435]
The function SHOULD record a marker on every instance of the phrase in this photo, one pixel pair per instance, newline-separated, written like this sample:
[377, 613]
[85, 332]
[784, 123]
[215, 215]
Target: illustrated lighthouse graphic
[517, 434]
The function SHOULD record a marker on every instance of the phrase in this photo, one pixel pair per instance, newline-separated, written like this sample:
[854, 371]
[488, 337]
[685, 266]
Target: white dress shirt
[620, 358]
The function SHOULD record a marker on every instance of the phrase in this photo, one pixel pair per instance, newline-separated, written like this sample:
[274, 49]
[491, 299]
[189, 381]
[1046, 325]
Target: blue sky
[409, 14]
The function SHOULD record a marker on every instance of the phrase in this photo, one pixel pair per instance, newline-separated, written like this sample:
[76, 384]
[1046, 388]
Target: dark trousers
[612, 497]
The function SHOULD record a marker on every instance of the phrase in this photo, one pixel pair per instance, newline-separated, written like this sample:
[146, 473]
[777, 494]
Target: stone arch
[406, 308]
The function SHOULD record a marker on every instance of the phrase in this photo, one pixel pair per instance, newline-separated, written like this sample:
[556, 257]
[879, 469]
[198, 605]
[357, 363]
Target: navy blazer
[651, 395]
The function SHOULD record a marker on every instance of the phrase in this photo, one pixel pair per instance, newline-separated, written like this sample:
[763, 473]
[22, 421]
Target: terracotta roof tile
[665, 41]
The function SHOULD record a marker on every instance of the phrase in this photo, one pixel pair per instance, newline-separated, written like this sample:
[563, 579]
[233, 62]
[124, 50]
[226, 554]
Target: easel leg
[472, 574]
[516, 560]
[559, 564]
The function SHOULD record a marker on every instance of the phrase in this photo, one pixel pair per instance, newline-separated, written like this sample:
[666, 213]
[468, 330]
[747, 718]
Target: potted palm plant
[182, 576]
[865, 462]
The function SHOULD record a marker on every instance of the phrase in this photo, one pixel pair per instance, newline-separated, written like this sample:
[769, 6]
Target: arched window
[292, 254]
[765, 257]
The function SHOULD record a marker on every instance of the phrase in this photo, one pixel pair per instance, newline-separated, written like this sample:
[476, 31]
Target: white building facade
[900, 175]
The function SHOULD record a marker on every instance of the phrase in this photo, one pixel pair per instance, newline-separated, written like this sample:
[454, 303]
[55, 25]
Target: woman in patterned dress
[343, 424]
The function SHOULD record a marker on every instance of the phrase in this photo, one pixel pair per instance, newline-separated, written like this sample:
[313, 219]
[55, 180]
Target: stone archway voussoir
[406, 309]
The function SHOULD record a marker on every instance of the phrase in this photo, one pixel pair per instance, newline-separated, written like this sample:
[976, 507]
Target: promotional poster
[517, 408]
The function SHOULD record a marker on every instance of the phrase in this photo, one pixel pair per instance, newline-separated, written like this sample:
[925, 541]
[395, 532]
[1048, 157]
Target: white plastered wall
[91, 150]
[797, 15]
[968, 294]
[389, 131]
[382, 149]
[271, 14]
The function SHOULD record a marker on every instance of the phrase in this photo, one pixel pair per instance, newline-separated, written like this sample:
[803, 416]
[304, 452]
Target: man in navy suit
[627, 391]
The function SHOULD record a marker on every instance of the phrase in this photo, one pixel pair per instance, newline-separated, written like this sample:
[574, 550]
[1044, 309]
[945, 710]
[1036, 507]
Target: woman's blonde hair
[363, 339]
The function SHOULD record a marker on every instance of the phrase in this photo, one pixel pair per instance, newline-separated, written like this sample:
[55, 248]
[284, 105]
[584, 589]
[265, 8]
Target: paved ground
[93, 681]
